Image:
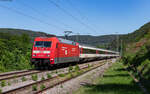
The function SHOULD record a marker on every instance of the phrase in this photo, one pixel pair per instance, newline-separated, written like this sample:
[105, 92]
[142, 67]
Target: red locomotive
[51, 51]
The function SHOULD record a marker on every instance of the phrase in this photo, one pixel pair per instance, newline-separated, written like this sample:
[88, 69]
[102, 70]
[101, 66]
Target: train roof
[94, 48]
[61, 40]
[66, 41]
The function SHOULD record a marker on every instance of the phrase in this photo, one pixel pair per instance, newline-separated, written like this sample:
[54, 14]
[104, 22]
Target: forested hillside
[15, 52]
[137, 54]
[15, 48]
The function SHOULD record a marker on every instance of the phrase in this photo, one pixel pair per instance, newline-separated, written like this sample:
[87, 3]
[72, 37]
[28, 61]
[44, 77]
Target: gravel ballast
[74, 84]
[19, 82]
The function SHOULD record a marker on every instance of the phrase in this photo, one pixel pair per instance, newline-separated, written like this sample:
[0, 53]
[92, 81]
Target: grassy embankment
[115, 81]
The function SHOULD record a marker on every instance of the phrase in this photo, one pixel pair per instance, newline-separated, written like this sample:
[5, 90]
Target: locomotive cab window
[43, 44]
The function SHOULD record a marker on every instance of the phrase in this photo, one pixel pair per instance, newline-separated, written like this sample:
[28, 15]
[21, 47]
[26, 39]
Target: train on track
[53, 51]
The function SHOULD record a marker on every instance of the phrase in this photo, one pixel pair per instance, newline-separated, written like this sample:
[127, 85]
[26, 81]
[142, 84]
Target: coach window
[101, 52]
[85, 51]
[92, 51]
[89, 51]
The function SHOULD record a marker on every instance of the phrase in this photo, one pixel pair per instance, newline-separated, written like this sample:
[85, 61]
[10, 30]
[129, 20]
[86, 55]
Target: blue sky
[102, 16]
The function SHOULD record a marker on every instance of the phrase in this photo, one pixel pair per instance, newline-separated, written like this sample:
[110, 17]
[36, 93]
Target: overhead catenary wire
[74, 17]
[42, 14]
[83, 17]
[31, 17]
[77, 10]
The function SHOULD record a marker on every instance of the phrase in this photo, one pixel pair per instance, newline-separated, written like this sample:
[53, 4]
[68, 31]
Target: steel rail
[11, 73]
[14, 91]
[40, 92]
[19, 74]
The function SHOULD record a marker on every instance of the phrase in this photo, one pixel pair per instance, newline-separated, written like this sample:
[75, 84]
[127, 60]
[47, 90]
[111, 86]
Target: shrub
[3, 83]
[43, 78]
[77, 68]
[34, 77]
[42, 87]
[71, 75]
[56, 72]
[61, 75]
[34, 87]
[61, 86]
[70, 68]
[24, 79]
[9, 83]
[78, 73]
[15, 76]
[0, 91]
[49, 75]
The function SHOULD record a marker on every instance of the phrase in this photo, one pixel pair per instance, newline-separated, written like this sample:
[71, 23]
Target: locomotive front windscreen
[43, 44]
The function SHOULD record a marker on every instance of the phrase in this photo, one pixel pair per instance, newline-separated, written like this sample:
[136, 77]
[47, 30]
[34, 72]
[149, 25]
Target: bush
[2, 68]
[43, 78]
[0, 91]
[56, 71]
[77, 68]
[70, 68]
[49, 75]
[61, 75]
[78, 73]
[3, 83]
[9, 83]
[34, 77]
[42, 87]
[34, 87]
[61, 86]
[23, 79]
[71, 75]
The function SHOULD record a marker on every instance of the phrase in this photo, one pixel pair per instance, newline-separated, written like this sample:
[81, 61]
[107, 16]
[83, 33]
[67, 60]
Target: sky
[84, 17]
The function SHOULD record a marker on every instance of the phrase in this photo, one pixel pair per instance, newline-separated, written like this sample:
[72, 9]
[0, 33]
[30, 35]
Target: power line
[79, 12]
[68, 13]
[35, 10]
[29, 16]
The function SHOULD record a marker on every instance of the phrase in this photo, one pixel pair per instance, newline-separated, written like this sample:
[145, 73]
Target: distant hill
[92, 40]
[101, 41]
[31, 33]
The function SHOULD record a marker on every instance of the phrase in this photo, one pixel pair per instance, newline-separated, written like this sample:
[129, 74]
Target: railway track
[49, 82]
[61, 82]
[12, 75]
[14, 72]
[8, 76]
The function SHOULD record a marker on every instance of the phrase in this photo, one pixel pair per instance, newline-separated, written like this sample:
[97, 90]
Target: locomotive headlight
[46, 52]
[34, 55]
[36, 51]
